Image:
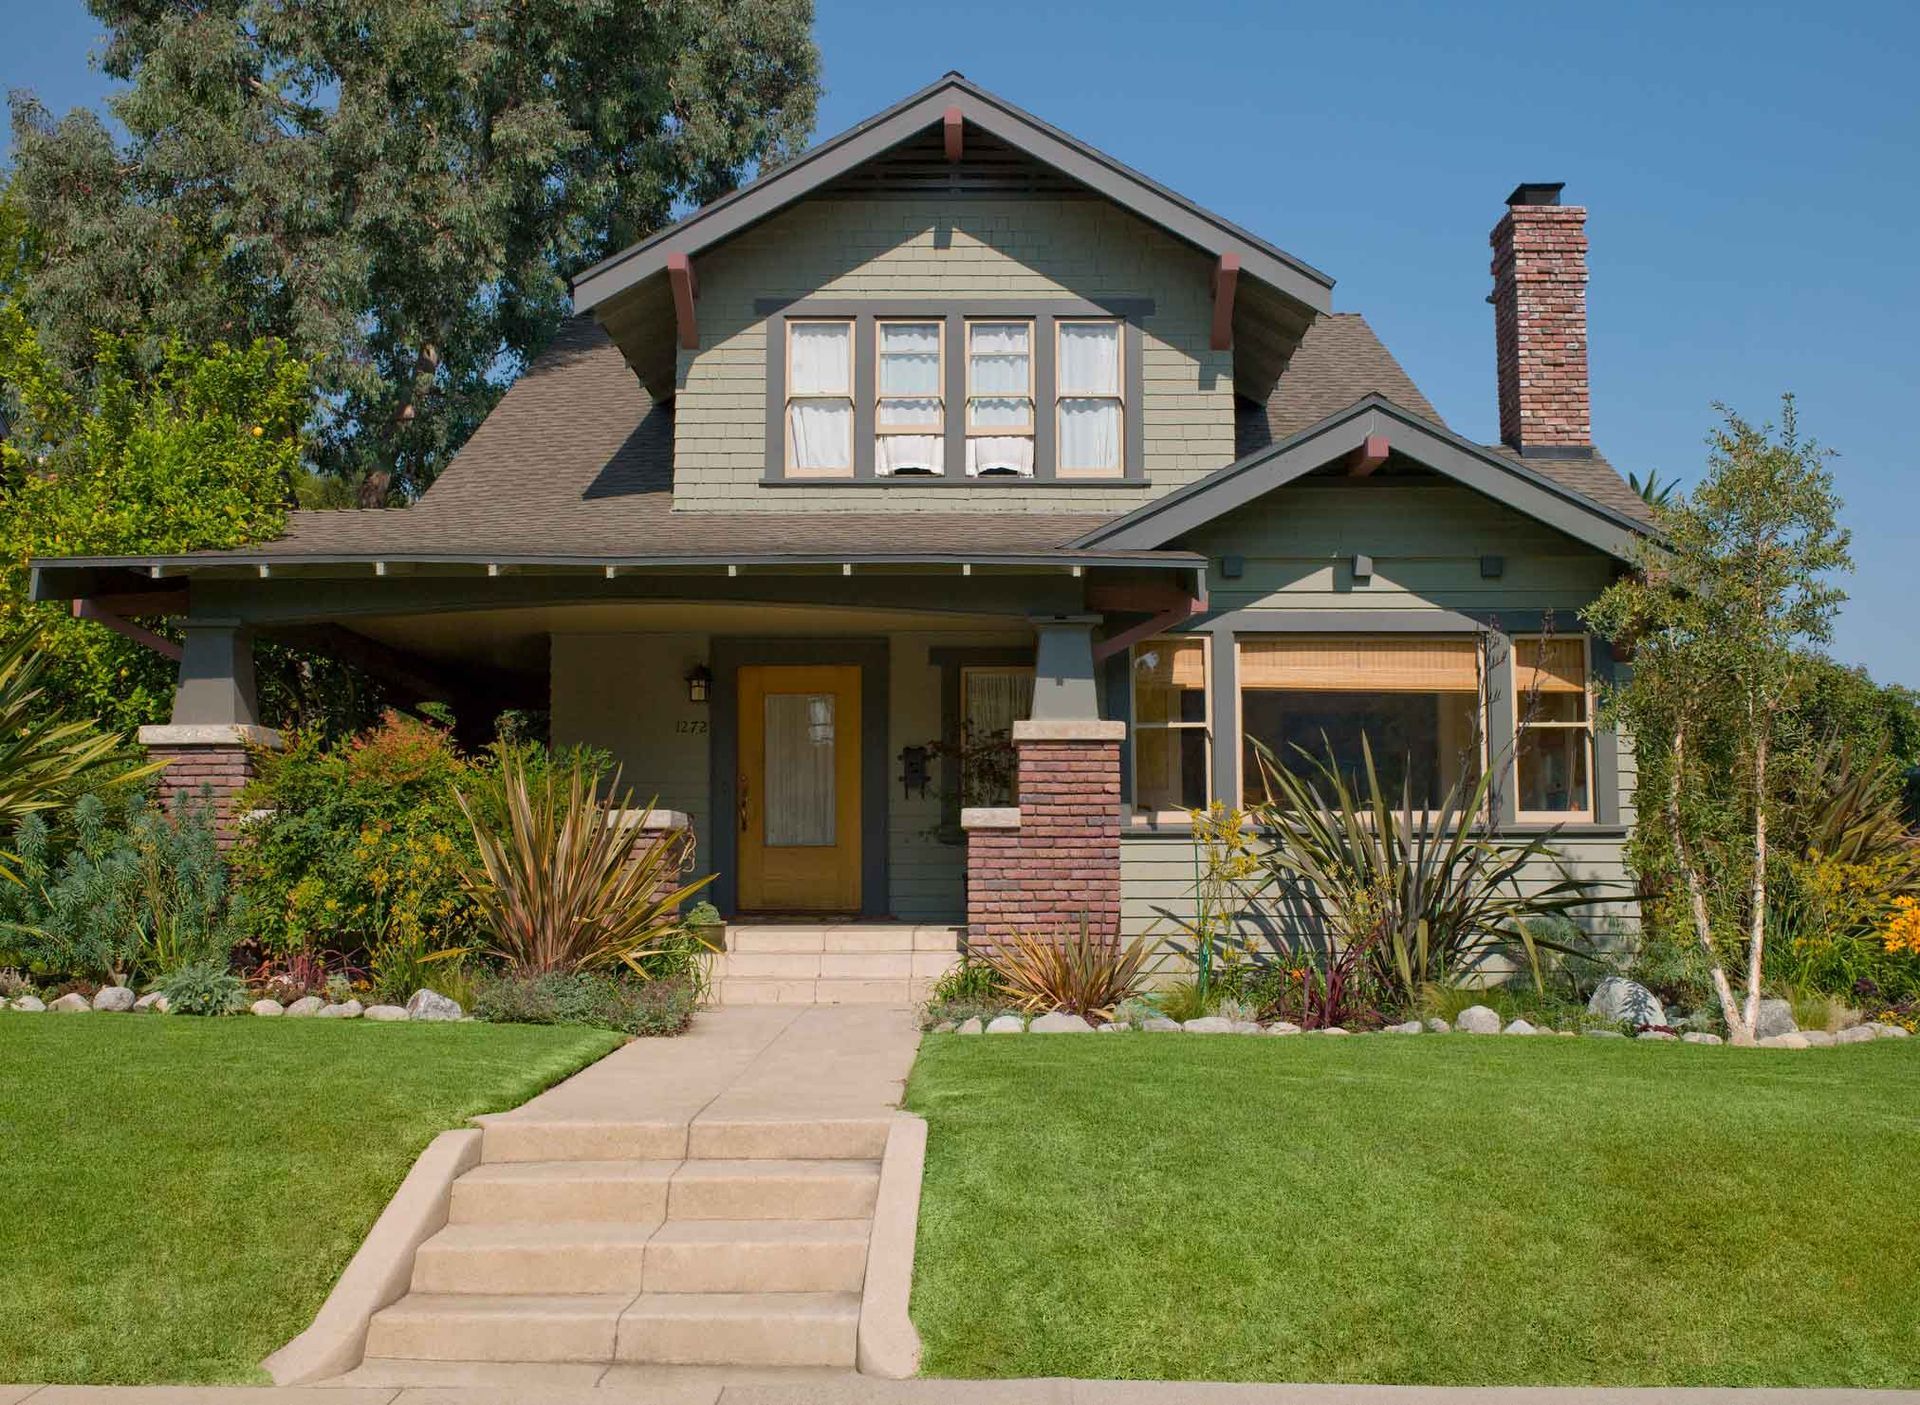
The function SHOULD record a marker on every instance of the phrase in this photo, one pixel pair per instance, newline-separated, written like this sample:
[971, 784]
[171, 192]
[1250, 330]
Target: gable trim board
[834, 157]
[1505, 480]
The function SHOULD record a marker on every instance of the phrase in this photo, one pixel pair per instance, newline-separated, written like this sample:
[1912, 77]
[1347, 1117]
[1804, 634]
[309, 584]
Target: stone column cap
[212, 734]
[1075, 729]
[650, 819]
[990, 817]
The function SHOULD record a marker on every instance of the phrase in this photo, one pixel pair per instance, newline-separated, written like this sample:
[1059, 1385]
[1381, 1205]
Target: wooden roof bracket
[686, 288]
[1226, 274]
[1369, 456]
[86, 609]
[952, 127]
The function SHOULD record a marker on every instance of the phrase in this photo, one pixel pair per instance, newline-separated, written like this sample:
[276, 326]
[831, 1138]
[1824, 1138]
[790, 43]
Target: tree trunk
[1757, 932]
[1739, 1031]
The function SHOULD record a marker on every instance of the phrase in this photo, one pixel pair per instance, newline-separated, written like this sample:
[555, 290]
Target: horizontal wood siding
[928, 247]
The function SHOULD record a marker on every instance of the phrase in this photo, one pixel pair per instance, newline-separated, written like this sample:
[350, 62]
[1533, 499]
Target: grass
[177, 1196]
[1445, 1210]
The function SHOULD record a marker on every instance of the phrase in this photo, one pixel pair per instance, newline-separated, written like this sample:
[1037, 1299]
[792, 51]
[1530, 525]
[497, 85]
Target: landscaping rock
[1819, 1038]
[1409, 1027]
[1697, 1037]
[114, 998]
[972, 1026]
[306, 1007]
[1007, 1024]
[386, 1014]
[71, 1004]
[1117, 1027]
[1209, 1024]
[1625, 1002]
[1887, 1031]
[1333, 1029]
[1792, 1039]
[945, 1027]
[1519, 1027]
[29, 1004]
[1776, 1017]
[1439, 1026]
[345, 1010]
[1246, 1026]
[1059, 1022]
[1283, 1027]
[268, 1008]
[145, 1003]
[1605, 1034]
[1660, 1035]
[1859, 1034]
[432, 1005]
[1477, 1019]
[1162, 1024]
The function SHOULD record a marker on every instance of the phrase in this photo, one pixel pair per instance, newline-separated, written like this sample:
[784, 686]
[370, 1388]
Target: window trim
[1061, 395]
[1131, 313]
[1135, 726]
[1590, 813]
[852, 397]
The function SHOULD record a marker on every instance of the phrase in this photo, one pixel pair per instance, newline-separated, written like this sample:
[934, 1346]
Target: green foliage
[1077, 972]
[118, 896]
[560, 883]
[1721, 619]
[204, 988]
[1225, 871]
[652, 1007]
[363, 848]
[397, 188]
[1186, 1000]
[968, 991]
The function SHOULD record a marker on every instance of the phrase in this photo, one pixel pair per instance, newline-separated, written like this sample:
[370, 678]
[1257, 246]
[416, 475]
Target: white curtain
[1089, 358]
[909, 453]
[822, 433]
[994, 454]
[1090, 434]
[910, 358]
[820, 358]
[800, 805]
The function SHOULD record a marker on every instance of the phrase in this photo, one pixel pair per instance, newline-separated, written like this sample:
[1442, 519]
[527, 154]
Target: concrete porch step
[552, 1192]
[841, 939]
[774, 1190]
[757, 1256]
[531, 1259]
[741, 1329]
[734, 991]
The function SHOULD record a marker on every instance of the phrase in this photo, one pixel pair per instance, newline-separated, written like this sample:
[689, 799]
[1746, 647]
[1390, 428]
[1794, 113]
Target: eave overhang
[1347, 434]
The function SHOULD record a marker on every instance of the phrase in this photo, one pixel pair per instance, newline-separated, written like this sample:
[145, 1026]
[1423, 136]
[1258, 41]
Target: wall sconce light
[699, 683]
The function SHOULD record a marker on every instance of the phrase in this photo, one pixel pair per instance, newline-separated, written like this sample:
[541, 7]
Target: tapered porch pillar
[1052, 861]
[210, 742]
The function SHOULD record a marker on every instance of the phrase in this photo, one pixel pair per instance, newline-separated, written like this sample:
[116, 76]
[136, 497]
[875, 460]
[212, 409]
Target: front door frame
[872, 656]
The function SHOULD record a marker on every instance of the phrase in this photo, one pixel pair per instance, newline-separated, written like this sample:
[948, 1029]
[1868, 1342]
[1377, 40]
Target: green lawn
[177, 1196]
[1448, 1210]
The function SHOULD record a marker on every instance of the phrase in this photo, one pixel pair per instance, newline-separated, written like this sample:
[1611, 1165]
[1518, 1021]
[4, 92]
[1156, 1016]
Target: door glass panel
[799, 770]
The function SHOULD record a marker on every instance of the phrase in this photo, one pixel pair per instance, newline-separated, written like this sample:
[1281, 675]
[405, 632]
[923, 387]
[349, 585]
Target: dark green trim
[723, 756]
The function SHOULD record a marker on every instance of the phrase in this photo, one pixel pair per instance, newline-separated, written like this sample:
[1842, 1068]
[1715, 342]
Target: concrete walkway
[626, 1386]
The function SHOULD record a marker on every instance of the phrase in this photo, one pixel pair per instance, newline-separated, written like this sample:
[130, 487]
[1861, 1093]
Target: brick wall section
[195, 772]
[1063, 861]
[1540, 326]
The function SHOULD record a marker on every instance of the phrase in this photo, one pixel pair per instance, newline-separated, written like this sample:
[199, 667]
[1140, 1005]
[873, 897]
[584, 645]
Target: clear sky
[1752, 172]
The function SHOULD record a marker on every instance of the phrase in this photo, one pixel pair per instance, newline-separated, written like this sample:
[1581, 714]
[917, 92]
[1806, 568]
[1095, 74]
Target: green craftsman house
[935, 520]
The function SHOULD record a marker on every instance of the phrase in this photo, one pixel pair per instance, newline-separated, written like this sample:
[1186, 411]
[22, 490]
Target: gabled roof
[1519, 483]
[1018, 128]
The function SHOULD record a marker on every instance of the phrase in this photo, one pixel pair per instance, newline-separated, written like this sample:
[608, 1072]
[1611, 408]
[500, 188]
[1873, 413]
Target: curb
[382, 1267]
[889, 1346]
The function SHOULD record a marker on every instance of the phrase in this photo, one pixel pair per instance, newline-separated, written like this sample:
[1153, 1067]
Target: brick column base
[1053, 861]
[207, 763]
[655, 827]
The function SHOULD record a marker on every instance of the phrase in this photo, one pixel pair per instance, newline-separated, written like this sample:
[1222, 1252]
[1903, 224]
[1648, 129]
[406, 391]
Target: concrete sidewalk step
[537, 1139]
[757, 1256]
[748, 1138]
[532, 1259]
[435, 1327]
[741, 1329]
[773, 1190]
[549, 1192]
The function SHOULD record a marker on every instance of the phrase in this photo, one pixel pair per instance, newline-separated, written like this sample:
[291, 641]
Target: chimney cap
[1536, 193]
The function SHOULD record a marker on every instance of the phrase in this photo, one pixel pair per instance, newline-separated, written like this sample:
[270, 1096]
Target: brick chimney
[1540, 323]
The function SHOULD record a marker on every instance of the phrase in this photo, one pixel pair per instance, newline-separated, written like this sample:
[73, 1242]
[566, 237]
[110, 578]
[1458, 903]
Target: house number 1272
[691, 726]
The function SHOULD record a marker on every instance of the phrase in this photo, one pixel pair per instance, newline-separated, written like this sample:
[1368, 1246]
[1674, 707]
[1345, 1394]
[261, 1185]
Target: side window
[991, 701]
[1553, 728]
[1172, 747]
[1090, 414]
[910, 422]
[819, 414]
[999, 399]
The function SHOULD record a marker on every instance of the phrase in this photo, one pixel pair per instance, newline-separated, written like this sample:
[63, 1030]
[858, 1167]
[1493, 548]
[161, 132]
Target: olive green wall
[927, 247]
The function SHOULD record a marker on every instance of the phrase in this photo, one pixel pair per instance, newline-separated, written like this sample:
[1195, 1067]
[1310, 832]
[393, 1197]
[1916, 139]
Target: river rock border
[426, 1006]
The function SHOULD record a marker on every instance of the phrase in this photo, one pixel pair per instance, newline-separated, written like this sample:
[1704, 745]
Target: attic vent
[919, 166]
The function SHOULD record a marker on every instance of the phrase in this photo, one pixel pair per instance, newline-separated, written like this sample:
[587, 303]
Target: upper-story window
[819, 414]
[953, 392]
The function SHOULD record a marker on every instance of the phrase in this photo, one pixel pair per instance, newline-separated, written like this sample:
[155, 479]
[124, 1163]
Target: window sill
[1176, 826]
[995, 484]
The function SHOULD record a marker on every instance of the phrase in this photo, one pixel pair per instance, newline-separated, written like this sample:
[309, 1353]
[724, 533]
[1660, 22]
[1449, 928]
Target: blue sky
[1750, 171]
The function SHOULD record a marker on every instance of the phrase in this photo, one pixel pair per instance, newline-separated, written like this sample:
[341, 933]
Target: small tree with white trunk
[1719, 621]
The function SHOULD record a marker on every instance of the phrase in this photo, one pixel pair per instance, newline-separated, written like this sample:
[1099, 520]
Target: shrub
[559, 884]
[656, 1007]
[1080, 973]
[203, 988]
[968, 991]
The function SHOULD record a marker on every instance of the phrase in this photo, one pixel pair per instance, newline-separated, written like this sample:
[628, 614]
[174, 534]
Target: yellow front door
[798, 807]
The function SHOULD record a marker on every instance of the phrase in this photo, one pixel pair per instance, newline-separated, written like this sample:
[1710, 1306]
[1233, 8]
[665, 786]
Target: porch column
[1053, 860]
[210, 742]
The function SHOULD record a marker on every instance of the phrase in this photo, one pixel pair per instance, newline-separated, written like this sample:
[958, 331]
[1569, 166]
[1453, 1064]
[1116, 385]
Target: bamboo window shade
[1172, 664]
[1549, 666]
[1349, 665]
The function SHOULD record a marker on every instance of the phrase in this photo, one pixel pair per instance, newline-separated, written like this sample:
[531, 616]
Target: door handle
[743, 805]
